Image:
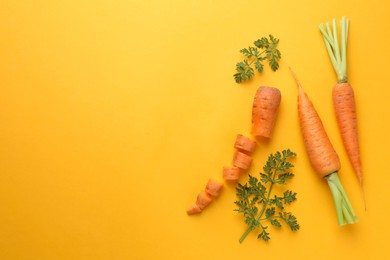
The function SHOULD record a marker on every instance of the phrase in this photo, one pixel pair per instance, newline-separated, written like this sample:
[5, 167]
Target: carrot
[205, 197]
[344, 104]
[231, 173]
[343, 94]
[203, 200]
[242, 160]
[213, 188]
[322, 155]
[244, 144]
[194, 209]
[264, 111]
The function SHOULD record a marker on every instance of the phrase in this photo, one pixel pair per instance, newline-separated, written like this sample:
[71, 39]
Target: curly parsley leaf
[264, 49]
[255, 202]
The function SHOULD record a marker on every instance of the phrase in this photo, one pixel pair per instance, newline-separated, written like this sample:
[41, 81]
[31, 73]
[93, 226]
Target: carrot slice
[194, 210]
[242, 160]
[244, 144]
[203, 200]
[231, 173]
[214, 187]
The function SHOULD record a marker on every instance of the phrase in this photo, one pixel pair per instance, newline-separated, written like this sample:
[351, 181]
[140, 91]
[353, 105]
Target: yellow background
[114, 114]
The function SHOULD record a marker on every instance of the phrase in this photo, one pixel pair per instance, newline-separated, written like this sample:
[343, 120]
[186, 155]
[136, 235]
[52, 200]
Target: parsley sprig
[264, 50]
[255, 200]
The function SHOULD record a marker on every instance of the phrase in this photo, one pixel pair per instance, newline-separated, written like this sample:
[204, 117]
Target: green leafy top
[264, 49]
[255, 200]
[337, 52]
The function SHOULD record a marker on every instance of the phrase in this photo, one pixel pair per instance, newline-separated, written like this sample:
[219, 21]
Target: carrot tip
[364, 196]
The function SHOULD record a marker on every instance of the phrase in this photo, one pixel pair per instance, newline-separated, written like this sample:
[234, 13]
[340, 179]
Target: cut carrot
[214, 187]
[231, 173]
[264, 111]
[194, 210]
[244, 144]
[322, 155]
[242, 160]
[203, 200]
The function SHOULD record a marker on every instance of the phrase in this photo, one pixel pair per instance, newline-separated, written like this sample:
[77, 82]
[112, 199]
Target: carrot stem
[344, 210]
[337, 50]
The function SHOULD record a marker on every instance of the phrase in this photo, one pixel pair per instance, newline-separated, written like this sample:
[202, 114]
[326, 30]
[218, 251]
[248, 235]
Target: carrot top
[337, 51]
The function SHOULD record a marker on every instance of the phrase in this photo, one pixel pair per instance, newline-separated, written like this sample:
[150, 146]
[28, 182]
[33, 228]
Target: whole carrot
[322, 155]
[343, 94]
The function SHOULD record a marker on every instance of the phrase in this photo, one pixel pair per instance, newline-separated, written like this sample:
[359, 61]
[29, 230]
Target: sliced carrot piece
[231, 173]
[242, 160]
[194, 210]
[213, 187]
[244, 144]
[264, 112]
[203, 200]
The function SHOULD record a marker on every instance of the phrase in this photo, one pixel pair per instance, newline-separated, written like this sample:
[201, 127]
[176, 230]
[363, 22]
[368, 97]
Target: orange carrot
[231, 173]
[242, 160]
[203, 200]
[205, 197]
[244, 144]
[194, 209]
[343, 94]
[264, 111]
[214, 187]
[344, 104]
[322, 155]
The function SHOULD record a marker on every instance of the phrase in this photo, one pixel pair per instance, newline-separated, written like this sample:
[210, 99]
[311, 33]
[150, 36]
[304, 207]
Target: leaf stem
[262, 219]
[256, 57]
[344, 210]
[337, 51]
[265, 204]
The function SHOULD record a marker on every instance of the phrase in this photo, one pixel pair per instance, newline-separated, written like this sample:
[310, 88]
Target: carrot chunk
[194, 210]
[244, 144]
[203, 200]
[242, 160]
[231, 173]
[213, 187]
[264, 111]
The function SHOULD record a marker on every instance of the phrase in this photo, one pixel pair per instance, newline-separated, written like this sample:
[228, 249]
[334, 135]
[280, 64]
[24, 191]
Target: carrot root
[242, 160]
[345, 110]
[231, 173]
[264, 111]
[194, 210]
[245, 144]
[214, 188]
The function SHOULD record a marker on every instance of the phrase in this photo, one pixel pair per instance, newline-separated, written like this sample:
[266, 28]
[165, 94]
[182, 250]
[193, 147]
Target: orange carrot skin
[242, 160]
[322, 155]
[231, 173]
[264, 111]
[203, 200]
[244, 144]
[214, 187]
[345, 110]
[194, 209]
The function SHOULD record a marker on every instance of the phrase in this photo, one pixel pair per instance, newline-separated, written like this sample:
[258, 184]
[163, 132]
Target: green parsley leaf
[275, 222]
[264, 234]
[264, 49]
[255, 202]
[244, 71]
